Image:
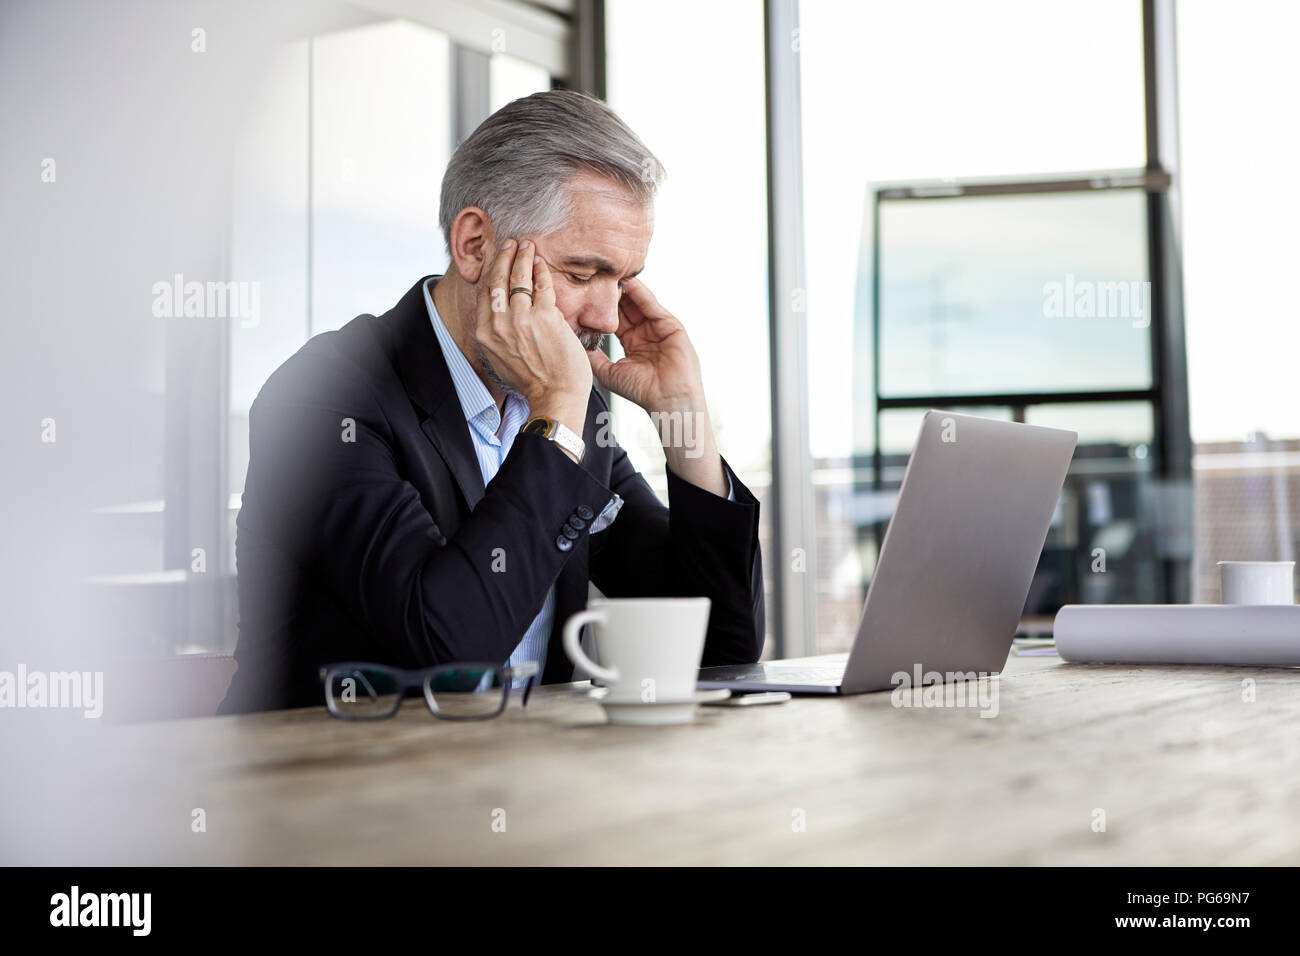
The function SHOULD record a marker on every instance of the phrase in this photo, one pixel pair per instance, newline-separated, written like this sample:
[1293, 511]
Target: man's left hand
[661, 372]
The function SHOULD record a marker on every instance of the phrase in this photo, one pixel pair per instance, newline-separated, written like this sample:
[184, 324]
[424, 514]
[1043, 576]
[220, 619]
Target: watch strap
[557, 432]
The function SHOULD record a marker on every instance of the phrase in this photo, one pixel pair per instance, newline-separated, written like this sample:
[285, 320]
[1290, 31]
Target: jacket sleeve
[700, 544]
[325, 486]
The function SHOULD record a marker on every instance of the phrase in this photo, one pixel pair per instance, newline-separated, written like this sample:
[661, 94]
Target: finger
[543, 284]
[602, 368]
[521, 277]
[636, 292]
[630, 309]
[498, 275]
[628, 317]
[613, 375]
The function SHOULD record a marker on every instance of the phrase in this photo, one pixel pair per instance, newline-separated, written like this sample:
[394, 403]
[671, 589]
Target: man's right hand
[527, 339]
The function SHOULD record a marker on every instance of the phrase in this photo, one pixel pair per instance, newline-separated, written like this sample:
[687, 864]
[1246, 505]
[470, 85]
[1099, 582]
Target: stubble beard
[490, 371]
[588, 339]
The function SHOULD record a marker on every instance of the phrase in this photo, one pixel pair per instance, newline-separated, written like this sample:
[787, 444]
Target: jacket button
[576, 522]
[585, 513]
[563, 543]
[569, 531]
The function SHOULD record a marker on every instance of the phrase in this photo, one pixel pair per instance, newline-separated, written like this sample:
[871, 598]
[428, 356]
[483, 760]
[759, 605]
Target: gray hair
[517, 165]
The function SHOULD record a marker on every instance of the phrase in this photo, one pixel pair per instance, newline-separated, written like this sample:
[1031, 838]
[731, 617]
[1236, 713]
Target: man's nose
[601, 313]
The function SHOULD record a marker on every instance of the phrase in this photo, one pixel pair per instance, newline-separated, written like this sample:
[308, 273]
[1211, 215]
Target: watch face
[537, 426]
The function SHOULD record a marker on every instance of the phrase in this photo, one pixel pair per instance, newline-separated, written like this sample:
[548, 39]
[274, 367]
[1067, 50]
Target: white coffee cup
[651, 647]
[1256, 582]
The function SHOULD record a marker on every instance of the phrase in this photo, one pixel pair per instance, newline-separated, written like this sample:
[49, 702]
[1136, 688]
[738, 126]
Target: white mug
[652, 646]
[1256, 582]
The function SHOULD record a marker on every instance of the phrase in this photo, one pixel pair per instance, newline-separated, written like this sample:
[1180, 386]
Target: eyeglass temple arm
[369, 688]
[527, 669]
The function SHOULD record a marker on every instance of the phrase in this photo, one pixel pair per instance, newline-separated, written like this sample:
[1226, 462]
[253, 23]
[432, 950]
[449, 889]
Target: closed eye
[583, 280]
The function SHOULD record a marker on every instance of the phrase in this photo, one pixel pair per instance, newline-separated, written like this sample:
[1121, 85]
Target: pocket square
[607, 516]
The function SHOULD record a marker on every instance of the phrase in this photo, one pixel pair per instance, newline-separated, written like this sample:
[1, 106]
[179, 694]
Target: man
[440, 483]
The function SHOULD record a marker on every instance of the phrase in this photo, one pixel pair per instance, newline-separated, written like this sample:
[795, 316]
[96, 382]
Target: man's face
[603, 244]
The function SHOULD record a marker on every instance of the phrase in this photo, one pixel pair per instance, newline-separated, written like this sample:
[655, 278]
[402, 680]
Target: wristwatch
[560, 434]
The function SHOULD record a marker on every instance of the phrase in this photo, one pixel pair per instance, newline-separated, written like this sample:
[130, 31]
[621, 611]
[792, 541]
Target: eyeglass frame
[422, 678]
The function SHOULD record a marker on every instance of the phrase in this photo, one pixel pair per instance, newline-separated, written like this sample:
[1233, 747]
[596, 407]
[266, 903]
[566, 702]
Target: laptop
[972, 515]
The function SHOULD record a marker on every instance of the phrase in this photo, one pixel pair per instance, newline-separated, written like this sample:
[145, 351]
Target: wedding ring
[521, 288]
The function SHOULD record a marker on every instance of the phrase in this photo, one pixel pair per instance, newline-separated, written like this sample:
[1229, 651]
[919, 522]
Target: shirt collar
[474, 397]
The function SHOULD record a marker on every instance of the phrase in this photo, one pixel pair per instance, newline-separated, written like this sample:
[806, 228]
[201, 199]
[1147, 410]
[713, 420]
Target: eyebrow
[597, 263]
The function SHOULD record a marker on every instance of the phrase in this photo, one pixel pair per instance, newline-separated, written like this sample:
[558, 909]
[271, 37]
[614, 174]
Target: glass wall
[509, 78]
[1051, 90]
[334, 197]
[380, 138]
[1033, 296]
[337, 174]
[1237, 82]
[708, 261]
[899, 94]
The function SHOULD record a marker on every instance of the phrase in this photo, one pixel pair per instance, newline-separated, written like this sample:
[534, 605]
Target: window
[1236, 82]
[708, 260]
[511, 78]
[380, 138]
[334, 198]
[940, 91]
[335, 187]
[1030, 292]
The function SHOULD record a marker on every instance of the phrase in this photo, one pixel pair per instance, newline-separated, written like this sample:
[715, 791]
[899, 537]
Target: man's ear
[472, 243]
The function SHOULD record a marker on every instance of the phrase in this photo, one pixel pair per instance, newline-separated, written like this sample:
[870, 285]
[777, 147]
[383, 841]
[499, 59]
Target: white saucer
[657, 714]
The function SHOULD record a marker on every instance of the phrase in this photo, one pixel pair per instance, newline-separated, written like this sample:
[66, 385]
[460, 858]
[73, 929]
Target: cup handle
[573, 646]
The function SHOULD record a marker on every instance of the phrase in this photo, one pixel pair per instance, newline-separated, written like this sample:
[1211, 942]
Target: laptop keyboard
[831, 674]
[820, 674]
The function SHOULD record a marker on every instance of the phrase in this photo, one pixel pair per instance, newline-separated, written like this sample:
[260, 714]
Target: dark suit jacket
[366, 533]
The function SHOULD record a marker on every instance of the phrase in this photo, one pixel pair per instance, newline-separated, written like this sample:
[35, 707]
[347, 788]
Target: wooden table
[1185, 770]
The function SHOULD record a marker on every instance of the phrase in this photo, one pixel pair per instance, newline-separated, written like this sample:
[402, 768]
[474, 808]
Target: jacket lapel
[428, 383]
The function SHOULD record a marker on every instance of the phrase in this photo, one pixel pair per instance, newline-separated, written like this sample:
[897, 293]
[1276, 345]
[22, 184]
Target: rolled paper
[1254, 635]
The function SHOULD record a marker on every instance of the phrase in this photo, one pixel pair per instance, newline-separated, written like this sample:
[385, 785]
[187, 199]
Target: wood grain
[1186, 771]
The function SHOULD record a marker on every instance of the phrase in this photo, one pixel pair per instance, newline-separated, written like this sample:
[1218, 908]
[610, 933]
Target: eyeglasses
[360, 691]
